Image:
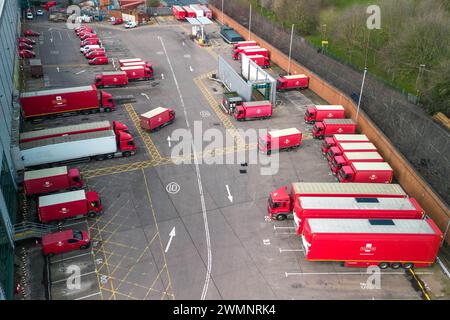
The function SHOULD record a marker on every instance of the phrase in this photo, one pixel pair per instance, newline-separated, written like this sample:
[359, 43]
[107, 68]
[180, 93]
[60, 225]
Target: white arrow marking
[51, 40]
[230, 197]
[168, 140]
[81, 72]
[162, 76]
[145, 95]
[57, 68]
[192, 69]
[183, 43]
[171, 235]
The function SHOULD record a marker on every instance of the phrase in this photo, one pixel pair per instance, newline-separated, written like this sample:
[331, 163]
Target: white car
[130, 24]
[29, 16]
[39, 12]
[89, 47]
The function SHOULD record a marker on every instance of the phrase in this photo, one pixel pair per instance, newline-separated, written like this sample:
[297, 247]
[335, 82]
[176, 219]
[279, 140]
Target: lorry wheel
[73, 188]
[83, 247]
[269, 153]
[396, 265]
[109, 156]
[99, 158]
[127, 154]
[92, 214]
[51, 254]
[408, 266]
[383, 265]
[281, 217]
[107, 109]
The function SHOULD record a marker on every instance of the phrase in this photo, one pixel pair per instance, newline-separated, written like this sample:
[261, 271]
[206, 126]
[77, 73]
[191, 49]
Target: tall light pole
[421, 71]
[290, 50]
[250, 23]
[360, 93]
[222, 12]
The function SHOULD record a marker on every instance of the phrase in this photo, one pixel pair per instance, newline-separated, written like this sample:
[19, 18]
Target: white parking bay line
[291, 250]
[69, 258]
[88, 296]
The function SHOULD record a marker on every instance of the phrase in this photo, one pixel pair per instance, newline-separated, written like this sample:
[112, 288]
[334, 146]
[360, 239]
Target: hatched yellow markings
[152, 150]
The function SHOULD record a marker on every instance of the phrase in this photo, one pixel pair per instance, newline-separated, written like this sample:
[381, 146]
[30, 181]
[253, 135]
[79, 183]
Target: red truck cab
[342, 147]
[276, 140]
[99, 60]
[348, 157]
[329, 127]
[368, 172]
[329, 142]
[295, 81]
[253, 110]
[321, 112]
[64, 241]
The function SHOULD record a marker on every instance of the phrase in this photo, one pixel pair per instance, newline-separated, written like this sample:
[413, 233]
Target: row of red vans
[94, 51]
[130, 70]
[192, 11]
[253, 51]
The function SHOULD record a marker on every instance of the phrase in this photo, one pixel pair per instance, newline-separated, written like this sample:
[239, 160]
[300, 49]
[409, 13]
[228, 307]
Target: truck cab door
[72, 244]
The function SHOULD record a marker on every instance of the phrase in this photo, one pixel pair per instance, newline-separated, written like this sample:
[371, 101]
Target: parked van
[64, 241]
[89, 47]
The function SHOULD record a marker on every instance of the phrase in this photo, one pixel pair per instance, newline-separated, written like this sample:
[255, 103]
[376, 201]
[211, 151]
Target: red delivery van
[319, 113]
[342, 147]
[138, 73]
[286, 139]
[395, 243]
[328, 127]
[371, 172]
[329, 142]
[157, 118]
[99, 60]
[52, 179]
[190, 13]
[64, 241]
[260, 60]
[253, 110]
[60, 206]
[348, 157]
[178, 12]
[237, 51]
[242, 44]
[249, 51]
[295, 81]
[111, 79]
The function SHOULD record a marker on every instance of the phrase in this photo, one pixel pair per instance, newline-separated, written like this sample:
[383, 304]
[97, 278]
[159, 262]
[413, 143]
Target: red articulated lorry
[137, 73]
[342, 147]
[354, 208]
[295, 81]
[277, 140]
[64, 241]
[281, 203]
[111, 79]
[369, 172]
[57, 101]
[116, 126]
[178, 12]
[395, 243]
[329, 142]
[253, 110]
[319, 113]
[52, 179]
[61, 206]
[260, 60]
[349, 157]
[237, 51]
[157, 118]
[328, 127]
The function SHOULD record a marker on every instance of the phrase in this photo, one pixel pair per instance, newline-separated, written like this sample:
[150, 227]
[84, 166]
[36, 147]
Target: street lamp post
[360, 93]
[222, 12]
[250, 23]
[290, 50]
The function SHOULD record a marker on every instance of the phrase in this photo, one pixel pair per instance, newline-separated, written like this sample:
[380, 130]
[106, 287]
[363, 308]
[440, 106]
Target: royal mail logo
[297, 83]
[64, 210]
[330, 115]
[258, 111]
[373, 177]
[340, 130]
[47, 184]
[59, 100]
[159, 119]
[369, 248]
[287, 141]
[115, 79]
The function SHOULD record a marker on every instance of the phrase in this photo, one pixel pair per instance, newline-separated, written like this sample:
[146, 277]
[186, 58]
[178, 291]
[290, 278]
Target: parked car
[26, 40]
[117, 21]
[99, 60]
[31, 33]
[23, 45]
[27, 54]
[39, 12]
[130, 24]
[30, 16]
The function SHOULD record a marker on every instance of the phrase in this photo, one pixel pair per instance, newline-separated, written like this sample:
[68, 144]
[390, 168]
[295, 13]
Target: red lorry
[371, 172]
[57, 101]
[353, 208]
[138, 73]
[277, 140]
[61, 206]
[157, 118]
[64, 241]
[253, 110]
[249, 43]
[348, 157]
[116, 126]
[281, 203]
[178, 12]
[328, 127]
[52, 179]
[237, 51]
[342, 147]
[260, 60]
[361, 243]
[295, 81]
[145, 64]
[190, 13]
[319, 113]
[111, 79]
[250, 51]
[329, 142]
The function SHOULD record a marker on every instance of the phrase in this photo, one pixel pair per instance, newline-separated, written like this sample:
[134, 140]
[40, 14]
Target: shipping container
[138, 73]
[260, 60]
[276, 140]
[329, 127]
[251, 51]
[321, 112]
[237, 51]
[250, 43]
[198, 10]
[189, 12]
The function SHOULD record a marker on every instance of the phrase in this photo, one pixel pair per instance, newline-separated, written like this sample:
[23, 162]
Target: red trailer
[242, 44]
[157, 118]
[361, 243]
[60, 206]
[190, 13]
[138, 73]
[277, 140]
[371, 172]
[281, 203]
[237, 51]
[253, 110]
[116, 126]
[319, 113]
[250, 51]
[58, 101]
[52, 179]
[295, 81]
[260, 60]
[329, 142]
[348, 157]
[328, 127]
[354, 208]
[131, 60]
[64, 241]
[342, 147]
[178, 12]
[139, 63]
[111, 79]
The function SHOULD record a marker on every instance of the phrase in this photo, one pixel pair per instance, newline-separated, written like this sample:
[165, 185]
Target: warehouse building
[9, 82]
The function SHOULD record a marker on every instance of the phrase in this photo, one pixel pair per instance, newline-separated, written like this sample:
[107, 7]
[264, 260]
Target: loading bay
[223, 248]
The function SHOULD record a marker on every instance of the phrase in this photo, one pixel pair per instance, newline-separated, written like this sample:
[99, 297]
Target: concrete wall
[410, 180]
